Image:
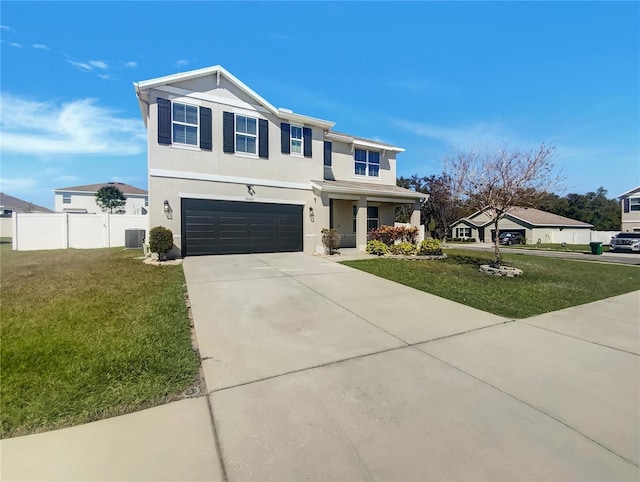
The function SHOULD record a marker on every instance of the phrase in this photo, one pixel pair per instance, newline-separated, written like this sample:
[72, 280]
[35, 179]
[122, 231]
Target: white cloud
[182, 62]
[100, 64]
[5, 27]
[131, 64]
[41, 46]
[89, 66]
[17, 184]
[478, 134]
[105, 76]
[15, 44]
[77, 127]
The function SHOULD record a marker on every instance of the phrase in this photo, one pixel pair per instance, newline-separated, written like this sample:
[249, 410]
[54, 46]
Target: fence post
[14, 231]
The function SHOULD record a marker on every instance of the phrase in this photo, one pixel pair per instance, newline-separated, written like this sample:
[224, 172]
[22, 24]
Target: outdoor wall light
[167, 208]
[311, 214]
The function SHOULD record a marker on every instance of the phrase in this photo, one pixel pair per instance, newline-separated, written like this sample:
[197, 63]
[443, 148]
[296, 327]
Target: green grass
[548, 284]
[89, 334]
[576, 248]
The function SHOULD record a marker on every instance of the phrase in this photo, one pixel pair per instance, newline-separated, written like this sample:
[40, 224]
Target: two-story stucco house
[82, 199]
[630, 204]
[231, 173]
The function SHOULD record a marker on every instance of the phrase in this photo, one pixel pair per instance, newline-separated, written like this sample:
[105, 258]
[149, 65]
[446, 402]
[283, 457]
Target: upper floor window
[185, 124]
[246, 134]
[296, 140]
[634, 204]
[367, 163]
[66, 199]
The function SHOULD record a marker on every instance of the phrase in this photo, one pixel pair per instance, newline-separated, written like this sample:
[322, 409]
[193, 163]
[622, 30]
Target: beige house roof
[532, 216]
[18, 205]
[352, 187]
[124, 188]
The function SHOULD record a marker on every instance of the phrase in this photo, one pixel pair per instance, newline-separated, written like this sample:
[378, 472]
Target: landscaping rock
[505, 271]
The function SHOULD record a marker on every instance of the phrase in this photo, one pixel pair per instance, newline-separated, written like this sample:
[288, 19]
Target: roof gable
[635, 190]
[94, 188]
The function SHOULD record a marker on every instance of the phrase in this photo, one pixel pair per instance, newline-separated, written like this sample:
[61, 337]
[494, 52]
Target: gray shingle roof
[543, 218]
[19, 206]
[125, 188]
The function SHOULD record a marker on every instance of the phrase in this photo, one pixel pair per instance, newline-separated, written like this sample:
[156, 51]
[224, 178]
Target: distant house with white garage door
[82, 199]
[535, 225]
[630, 204]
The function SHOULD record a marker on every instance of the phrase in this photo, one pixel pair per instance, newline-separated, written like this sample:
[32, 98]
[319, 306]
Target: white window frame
[66, 199]
[245, 134]
[367, 163]
[187, 124]
[462, 232]
[634, 202]
[300, 139]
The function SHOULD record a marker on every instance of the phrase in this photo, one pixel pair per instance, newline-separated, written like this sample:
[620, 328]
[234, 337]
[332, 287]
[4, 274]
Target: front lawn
[576, 248]
[548, 284]
[89, 334]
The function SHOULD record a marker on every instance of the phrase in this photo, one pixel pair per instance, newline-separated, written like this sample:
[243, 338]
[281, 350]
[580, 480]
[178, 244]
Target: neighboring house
[535, 225]
[231, 173]
[82, 199]
[10, 204]
[630, 204]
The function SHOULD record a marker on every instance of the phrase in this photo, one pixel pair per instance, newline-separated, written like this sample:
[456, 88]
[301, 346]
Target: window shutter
[164, 121]
[626, 205]
[285, 138]
[306, 135]
[327, 153]
[263, 138]
[205, 129]
[228, 132]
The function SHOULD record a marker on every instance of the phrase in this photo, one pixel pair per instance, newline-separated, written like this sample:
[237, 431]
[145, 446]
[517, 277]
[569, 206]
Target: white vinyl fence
[603, 236]
[35, 231]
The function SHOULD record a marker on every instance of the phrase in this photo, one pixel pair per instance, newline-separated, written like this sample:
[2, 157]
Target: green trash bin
[596, 247]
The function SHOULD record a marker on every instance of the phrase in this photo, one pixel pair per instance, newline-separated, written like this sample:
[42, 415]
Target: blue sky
[431, 77]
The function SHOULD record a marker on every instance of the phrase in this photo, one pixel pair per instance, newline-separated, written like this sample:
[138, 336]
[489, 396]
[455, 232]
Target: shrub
[160, 241]
[377, 247]
[430, 247]
[330, 240]
[406, 249]
[390, 234]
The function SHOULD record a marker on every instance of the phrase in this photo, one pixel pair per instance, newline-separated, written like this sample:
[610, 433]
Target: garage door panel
[228, 227]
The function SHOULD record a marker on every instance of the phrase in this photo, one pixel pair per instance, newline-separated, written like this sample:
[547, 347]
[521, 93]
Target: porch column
[361, 224]
[415, 215]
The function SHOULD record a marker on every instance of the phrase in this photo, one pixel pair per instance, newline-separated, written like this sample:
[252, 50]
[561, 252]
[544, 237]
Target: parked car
[625, 242]
[511, 238]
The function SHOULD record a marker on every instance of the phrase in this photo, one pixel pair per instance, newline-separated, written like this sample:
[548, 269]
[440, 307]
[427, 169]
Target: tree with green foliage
[593, 208]
[110, 199]
[440, 210]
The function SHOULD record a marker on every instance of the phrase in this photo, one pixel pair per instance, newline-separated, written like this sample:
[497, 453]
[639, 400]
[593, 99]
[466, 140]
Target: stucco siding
[343, 165]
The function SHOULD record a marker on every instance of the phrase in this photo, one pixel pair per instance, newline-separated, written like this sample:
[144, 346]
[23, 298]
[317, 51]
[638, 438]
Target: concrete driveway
[317, 371]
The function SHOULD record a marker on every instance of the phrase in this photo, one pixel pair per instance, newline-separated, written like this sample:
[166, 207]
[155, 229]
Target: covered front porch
[356, 208]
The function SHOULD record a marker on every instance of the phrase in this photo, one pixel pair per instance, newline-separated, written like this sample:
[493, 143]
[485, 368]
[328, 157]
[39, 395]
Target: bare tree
[499, 180]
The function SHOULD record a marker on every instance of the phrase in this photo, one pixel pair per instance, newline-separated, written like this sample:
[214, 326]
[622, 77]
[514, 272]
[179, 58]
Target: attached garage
[233, 227]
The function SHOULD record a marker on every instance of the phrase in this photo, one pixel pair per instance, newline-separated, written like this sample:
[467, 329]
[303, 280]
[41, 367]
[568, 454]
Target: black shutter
[228, 132]
[263, 138]
[306, 135]
[164, 121]
[205, 129]
[626, 205]
[285, 138]
[327, 153]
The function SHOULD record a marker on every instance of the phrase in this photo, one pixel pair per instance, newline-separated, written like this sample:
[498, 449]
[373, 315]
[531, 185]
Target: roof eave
[367, 192]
